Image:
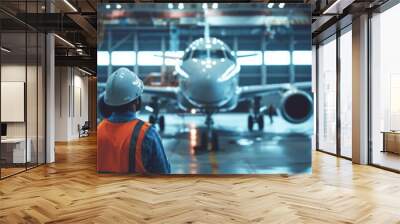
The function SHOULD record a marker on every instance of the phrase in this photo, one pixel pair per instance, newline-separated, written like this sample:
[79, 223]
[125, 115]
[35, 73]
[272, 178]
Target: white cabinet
[15, 148]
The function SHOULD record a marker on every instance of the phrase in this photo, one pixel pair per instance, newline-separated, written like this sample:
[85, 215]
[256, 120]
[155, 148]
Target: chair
[84, 130]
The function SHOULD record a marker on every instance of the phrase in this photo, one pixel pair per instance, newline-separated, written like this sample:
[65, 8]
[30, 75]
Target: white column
[360, 90]
[50, 99]
[50, 92]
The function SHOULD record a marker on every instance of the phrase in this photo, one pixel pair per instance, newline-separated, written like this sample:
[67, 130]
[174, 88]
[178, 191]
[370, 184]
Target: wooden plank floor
[70, 191]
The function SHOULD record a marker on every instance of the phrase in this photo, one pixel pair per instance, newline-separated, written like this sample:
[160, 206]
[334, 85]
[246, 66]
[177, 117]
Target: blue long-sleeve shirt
[153, 154]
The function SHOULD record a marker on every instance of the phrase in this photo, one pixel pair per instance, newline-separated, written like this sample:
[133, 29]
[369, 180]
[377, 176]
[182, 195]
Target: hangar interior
[28, 43]
[278, 42]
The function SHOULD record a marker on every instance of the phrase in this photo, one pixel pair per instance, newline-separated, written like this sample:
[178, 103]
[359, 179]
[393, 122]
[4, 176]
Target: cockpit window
[202, 54]
[230, 56]
[199, 54]
[186, 55]
[217, 54]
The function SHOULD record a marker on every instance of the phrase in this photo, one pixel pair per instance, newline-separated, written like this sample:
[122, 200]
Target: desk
[391, 141]
[13, 150]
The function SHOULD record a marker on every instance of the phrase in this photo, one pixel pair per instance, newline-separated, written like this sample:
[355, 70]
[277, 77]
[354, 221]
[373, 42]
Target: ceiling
[74, 21]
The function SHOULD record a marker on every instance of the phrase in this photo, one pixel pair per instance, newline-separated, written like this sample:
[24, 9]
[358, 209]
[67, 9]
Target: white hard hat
[123, 86]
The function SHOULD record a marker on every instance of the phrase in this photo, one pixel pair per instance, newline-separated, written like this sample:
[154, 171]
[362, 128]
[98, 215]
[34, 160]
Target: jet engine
[296, 106]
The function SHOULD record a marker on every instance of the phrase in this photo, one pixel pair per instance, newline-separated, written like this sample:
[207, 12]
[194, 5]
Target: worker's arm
[154, 157]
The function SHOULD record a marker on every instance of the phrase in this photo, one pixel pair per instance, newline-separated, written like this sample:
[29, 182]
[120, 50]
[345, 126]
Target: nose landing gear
[259, 119]
[209, 137]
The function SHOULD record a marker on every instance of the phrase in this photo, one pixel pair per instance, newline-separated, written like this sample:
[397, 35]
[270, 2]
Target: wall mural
[204, 88]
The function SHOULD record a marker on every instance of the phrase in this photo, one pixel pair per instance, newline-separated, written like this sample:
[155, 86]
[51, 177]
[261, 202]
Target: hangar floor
[281, 148]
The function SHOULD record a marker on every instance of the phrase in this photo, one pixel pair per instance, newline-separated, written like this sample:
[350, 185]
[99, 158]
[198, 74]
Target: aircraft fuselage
[208, 77]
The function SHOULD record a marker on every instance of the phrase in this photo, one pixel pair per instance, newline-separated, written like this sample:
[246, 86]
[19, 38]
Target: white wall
[71, 94]
[33, 127]
[61, 103]
[16, 73]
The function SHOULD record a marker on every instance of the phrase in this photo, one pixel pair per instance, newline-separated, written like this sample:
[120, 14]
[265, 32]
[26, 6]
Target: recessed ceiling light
[84, 71]
[334, 7]
[64, 40]
[70, 5]
[118, 6]
[270, 5]
[5, 50]
[170, 5]
[281, 5]
[181, 6]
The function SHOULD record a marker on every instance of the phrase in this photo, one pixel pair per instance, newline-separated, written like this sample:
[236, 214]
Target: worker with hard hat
[126, 144]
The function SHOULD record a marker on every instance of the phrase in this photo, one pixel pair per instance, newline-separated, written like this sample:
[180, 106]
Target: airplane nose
[208, 92]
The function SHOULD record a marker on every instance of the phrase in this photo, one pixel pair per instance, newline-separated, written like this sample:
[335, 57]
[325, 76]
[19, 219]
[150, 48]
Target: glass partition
[346, 94]
[385, 89]
[13, 105]
[22, 91]
[327, 96]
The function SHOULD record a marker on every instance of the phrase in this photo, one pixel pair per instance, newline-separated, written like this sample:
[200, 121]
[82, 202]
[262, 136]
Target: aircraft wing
[162, 91]
[260, 90]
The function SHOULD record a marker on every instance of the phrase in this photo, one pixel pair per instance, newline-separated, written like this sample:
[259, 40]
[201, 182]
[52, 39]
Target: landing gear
[260, 122]
[209, 121]
[154, 117]
[209, 137]
[258, 119]
[250, 122]
[255, 115]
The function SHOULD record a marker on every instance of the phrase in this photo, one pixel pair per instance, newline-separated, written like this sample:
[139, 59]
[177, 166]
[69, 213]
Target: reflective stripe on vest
[135, 149]
[119, 146]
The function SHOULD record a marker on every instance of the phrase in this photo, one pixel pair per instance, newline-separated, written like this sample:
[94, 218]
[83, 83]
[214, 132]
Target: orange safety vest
[119, 146]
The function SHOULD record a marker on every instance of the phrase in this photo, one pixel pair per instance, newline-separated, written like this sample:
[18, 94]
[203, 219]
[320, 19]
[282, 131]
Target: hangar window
[250, 57]
[172, 57]
[103, 58]
[302, 57]
[276, 57]
[149, 58]
[123, 58]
